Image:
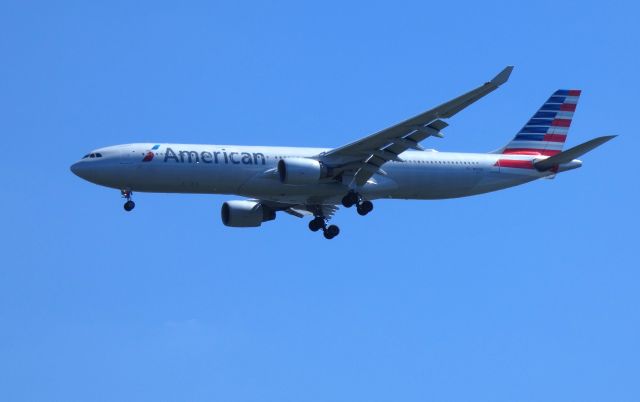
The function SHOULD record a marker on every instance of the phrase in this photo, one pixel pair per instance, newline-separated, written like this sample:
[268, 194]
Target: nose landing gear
[129, 204]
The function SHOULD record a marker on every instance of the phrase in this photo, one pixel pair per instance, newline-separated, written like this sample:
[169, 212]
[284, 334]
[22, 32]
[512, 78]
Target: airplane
[314, 182]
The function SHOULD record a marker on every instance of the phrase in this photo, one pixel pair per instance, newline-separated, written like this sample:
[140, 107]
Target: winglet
[502, 77]
[452, 107]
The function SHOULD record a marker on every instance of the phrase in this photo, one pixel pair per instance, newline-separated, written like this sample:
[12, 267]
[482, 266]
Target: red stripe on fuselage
[510, 163]
[531, 151]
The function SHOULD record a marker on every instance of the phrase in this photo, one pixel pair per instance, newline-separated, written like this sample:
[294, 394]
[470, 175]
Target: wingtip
[606, 138]
[503, 76]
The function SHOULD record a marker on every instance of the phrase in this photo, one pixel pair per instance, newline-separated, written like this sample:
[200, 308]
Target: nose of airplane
[78, 169]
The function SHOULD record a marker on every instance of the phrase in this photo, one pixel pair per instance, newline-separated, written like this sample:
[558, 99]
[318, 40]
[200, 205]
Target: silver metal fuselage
[250, 171]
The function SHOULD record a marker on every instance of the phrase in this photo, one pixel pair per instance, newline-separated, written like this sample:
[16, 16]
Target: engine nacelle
[244, 214]
[300, 171]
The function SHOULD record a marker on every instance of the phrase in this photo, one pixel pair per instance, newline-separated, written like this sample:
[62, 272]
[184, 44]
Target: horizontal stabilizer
[571, 154]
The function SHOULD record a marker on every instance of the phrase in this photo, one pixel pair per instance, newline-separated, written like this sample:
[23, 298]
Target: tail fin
[546, 132]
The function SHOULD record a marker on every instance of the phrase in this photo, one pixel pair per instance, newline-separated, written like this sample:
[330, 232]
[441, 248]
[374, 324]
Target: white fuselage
[250, 171]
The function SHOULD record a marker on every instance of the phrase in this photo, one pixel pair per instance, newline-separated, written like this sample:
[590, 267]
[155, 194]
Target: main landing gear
[320, 222]
[362, 206]
[129, 204]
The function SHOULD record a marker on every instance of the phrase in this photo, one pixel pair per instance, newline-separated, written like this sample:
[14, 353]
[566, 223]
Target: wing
[363, 158]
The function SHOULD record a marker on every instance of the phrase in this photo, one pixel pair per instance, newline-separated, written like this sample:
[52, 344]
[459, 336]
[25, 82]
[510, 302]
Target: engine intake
[244, 213]
[301, 171]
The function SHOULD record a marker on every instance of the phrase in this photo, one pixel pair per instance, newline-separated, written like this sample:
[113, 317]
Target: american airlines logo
[217, 157]
[148, 157]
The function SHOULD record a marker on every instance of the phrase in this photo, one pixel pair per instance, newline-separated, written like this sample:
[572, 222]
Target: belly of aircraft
[402, 181]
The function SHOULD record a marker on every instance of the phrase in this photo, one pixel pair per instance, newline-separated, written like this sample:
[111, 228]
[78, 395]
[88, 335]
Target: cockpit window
[93, 155]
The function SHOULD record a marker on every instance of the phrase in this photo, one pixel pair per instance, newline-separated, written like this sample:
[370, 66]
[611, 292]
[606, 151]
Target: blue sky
[527, 294]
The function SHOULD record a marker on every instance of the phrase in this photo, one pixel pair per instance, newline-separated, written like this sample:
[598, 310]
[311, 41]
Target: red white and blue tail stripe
[546, 132]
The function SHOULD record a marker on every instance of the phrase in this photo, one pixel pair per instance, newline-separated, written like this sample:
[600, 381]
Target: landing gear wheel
[350, 199]
[331, 231]
[364, 207]
[129, 205]
[316, 224]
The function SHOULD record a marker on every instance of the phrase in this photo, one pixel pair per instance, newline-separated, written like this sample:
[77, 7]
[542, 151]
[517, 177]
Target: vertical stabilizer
[546, 132]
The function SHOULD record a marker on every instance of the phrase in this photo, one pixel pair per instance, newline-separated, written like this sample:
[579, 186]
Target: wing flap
[301, 210]
[395, 147]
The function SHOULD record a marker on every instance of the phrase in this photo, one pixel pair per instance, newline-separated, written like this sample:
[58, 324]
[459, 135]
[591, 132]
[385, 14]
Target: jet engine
[244, 213]
[301, 171]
